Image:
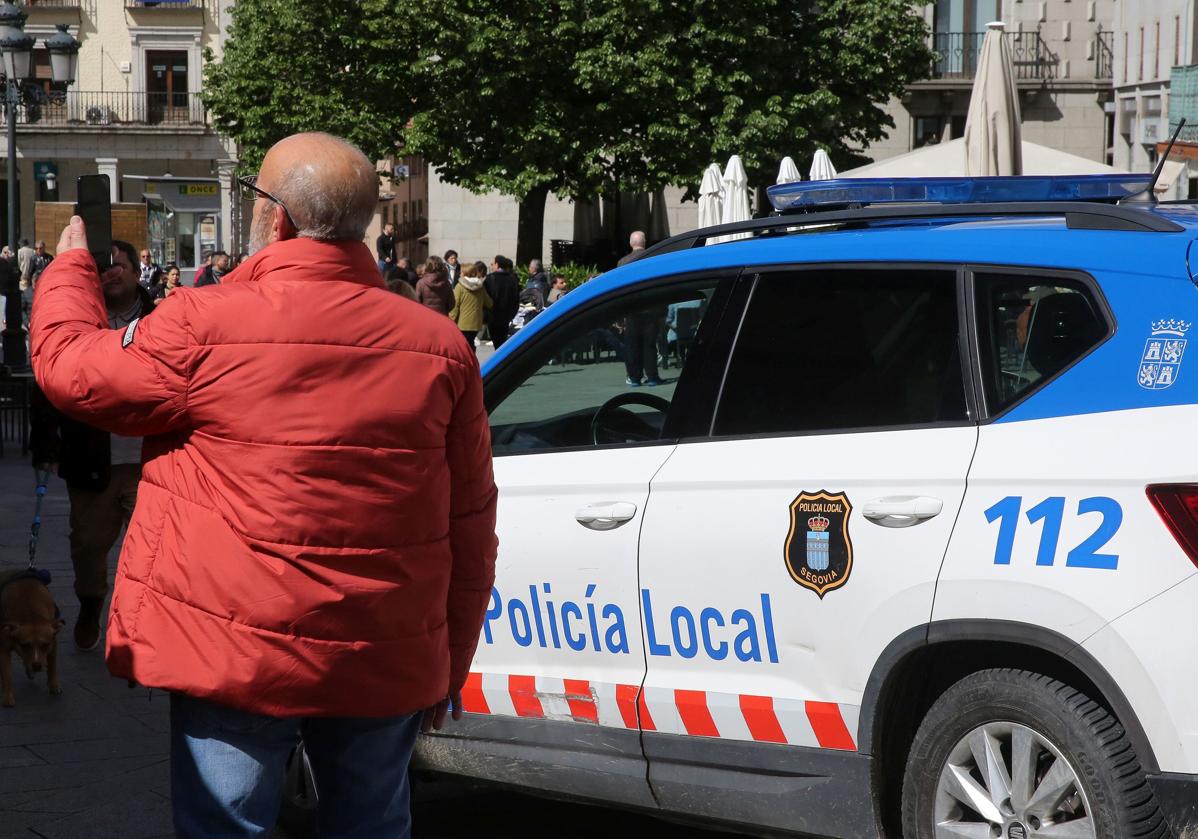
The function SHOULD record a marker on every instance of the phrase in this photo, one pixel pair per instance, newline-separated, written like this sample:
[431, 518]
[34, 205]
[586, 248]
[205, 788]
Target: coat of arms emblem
[819, 552]
[1160, 364]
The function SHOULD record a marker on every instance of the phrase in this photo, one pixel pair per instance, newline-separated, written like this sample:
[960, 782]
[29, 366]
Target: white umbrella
[821, 167]
[788, 173]
[736, 196]
[992, 132]
[711, 194]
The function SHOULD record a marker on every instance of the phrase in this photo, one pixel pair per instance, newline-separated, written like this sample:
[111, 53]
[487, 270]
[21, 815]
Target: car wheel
[1008, 754]
[297, 816]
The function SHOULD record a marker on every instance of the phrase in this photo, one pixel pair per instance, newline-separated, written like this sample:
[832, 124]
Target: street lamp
[16, 50]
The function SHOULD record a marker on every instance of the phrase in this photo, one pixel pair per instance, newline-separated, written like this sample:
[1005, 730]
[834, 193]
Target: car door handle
[902, 510]
[605, 516]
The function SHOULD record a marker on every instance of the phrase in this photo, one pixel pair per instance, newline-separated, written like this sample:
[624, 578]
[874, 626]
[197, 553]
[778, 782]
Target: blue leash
[43, 477]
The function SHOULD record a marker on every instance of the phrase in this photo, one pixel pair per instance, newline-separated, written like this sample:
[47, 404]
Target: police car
[877, 518]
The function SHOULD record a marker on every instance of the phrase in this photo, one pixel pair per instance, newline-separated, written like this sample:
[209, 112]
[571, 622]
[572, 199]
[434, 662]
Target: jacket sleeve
[129, 381]
[472, 537]
[457, 302]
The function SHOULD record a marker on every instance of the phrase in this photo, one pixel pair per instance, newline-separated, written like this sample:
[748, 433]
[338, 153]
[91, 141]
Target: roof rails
[1079, 215]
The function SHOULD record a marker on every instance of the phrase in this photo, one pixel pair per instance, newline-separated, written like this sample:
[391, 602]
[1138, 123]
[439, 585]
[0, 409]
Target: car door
[782, 552]
[560, 662]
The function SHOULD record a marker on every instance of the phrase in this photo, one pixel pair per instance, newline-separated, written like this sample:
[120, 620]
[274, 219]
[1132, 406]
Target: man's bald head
[329, 187]
[637, 240]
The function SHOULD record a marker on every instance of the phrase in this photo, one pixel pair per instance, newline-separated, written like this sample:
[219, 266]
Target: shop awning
[178, 202]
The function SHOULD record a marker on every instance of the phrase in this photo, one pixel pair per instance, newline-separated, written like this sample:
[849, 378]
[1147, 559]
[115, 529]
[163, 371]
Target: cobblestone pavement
[93, 762]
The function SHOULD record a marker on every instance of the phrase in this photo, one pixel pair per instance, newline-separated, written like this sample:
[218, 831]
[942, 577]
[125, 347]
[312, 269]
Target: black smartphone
[95, 208]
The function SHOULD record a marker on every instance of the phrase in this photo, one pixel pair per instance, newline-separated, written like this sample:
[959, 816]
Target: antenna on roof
[1148, 194]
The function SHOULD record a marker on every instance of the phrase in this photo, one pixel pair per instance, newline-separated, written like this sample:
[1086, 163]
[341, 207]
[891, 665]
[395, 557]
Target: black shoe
[87, 625]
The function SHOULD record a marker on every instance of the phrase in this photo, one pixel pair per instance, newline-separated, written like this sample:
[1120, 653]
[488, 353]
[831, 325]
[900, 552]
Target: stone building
[135, 113]
[1063, 57]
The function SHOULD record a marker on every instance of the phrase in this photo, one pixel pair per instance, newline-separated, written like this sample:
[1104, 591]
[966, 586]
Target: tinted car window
[845, 348]
[606, 377]
[1029, 329]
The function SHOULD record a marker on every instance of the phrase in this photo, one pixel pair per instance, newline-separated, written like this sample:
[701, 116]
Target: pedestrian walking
[453, 265]
[471, 301]
[101, 469]
[433, 288]
[504, 290]
[150, 273]
[25, 255]
[314, 543]
[40, 260]
[560, 287]
[215, 272]
[636, 242]
[170, 281]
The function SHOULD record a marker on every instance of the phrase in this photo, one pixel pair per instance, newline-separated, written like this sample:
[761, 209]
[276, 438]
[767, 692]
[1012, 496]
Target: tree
[306, 65]
[582, 97]
[576, 97]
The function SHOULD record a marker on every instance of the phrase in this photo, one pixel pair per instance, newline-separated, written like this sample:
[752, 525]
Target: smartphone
[95, 208]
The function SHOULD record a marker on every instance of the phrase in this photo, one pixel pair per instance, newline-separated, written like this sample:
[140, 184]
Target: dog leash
[43, 478]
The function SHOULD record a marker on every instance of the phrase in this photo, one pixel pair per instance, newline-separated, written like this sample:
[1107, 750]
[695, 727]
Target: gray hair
[637, 239]
[328, 208]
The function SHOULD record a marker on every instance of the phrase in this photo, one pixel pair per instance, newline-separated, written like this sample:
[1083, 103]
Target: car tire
[1061, 756]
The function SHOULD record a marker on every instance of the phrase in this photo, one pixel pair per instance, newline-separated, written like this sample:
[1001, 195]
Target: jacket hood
[471, 283]
[436, 282]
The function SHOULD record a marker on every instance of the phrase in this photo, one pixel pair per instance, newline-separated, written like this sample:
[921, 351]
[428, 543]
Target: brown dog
[29, 625]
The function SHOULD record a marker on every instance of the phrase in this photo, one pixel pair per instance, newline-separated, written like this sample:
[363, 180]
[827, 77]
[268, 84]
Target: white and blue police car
[877, 518]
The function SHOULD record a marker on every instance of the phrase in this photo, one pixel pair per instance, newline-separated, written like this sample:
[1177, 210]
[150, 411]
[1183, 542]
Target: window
[1030, 329]
[607, 378]
[845, 348]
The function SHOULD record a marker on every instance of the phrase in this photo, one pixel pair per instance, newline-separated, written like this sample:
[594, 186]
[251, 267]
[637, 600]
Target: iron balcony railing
[50, 4]
[116, 109]
[1104, 55]
[164, 4]
[958, 53]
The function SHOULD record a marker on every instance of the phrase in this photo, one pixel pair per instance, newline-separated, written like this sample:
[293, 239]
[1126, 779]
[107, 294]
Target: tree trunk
[530, 229]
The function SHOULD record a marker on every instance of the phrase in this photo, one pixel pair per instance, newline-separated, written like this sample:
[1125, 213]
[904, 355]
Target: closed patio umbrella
[788, 173]
[992, 126]
[736, 196]
[711, 193]
[821, 167]
[587, 225]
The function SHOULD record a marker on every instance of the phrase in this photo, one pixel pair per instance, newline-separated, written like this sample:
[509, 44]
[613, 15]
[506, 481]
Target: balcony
[164, 4]
[958, 54]
[104, 109]
[50, 4]
[1104, 55]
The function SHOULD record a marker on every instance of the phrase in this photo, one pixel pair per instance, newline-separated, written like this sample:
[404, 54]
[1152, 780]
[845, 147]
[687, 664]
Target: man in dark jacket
[504, 290]
[384, 246]
[537, 277]
[101, 470]
[215, 272]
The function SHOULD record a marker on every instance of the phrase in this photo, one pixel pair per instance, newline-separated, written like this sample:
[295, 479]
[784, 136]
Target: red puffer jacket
[315, 525]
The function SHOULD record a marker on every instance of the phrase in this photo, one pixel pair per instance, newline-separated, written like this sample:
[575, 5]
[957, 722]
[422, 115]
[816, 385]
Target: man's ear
[284, 229]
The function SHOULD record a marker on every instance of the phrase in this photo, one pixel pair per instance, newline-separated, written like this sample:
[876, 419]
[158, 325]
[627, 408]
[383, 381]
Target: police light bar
[841, 192]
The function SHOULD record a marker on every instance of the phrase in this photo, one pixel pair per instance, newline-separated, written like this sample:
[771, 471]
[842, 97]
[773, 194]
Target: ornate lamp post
[16, 49]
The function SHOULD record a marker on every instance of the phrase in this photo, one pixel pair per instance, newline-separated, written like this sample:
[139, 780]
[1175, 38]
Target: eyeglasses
[250, 189]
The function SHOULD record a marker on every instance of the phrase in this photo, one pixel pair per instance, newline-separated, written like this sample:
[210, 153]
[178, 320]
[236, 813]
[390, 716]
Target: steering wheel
[618, 401]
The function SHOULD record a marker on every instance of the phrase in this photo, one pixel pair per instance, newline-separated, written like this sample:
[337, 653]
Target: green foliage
[576, 275]
[580, 97]
[307, 65]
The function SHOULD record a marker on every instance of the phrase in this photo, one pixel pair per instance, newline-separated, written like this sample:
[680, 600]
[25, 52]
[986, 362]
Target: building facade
[135, 113]
[1063, 55]
[1153, 42]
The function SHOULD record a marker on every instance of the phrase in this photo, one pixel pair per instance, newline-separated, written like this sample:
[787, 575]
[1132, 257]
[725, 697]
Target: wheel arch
[921, 662]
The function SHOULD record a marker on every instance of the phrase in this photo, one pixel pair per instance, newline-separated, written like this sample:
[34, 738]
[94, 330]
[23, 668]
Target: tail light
[1178, 507]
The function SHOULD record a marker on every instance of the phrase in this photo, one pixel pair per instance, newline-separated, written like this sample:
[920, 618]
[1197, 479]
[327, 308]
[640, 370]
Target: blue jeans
[227, 771]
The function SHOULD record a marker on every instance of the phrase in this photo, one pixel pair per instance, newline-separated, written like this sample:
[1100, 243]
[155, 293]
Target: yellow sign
[199, 189]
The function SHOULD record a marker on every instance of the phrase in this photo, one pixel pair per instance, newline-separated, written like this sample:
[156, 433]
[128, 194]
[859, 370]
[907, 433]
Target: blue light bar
[845, 191]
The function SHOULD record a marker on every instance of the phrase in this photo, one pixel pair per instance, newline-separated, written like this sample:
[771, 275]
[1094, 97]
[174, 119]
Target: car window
[1030, 328]
[605, 377]
[845, 348]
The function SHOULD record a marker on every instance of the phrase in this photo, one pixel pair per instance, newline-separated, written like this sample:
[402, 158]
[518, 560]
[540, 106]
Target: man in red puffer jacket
[313, 545]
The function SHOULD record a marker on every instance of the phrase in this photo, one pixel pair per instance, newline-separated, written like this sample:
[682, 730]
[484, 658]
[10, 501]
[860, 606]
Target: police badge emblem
[819, 552]
[1160, 363]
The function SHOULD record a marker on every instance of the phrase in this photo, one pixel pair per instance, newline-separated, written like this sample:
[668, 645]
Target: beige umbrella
[736, 197]
[992, 133]
[788, 173]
